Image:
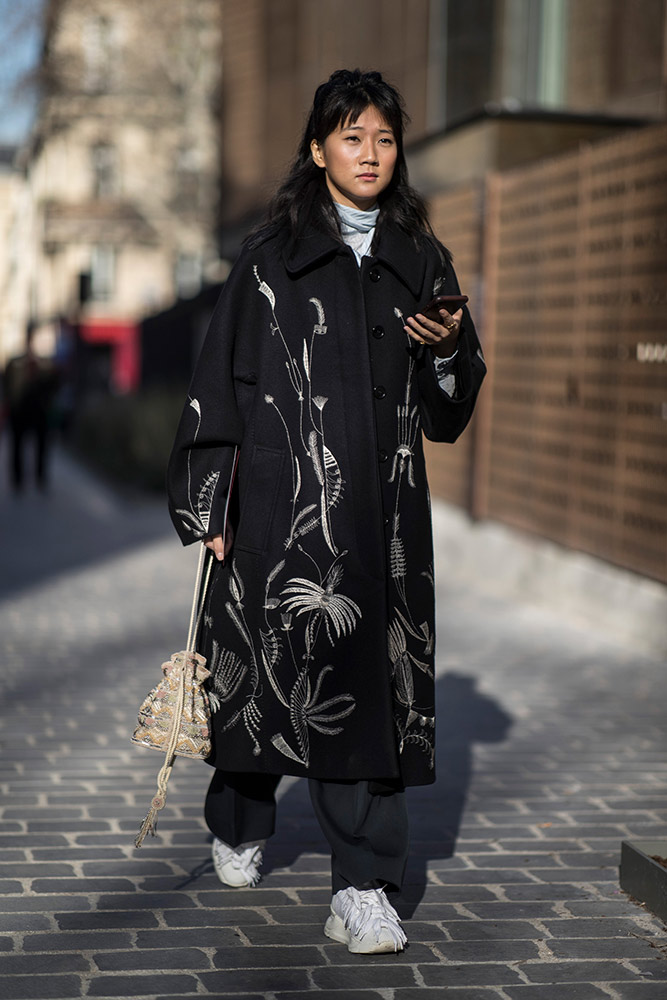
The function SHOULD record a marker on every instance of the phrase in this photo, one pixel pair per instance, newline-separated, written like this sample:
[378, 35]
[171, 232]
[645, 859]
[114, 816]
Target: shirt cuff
[445, 374]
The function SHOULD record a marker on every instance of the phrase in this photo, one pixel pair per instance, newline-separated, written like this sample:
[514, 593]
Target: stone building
[122, 168]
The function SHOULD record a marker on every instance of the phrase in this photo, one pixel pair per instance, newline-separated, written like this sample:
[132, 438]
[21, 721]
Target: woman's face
[358, 159]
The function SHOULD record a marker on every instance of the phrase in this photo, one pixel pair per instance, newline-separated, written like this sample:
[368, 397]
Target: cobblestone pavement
[552, 750]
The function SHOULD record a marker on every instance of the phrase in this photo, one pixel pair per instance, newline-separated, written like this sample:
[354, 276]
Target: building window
[187, 177]
[188, 275]
[534, 51]
[101, 53]
[102, 273]
[103, 157]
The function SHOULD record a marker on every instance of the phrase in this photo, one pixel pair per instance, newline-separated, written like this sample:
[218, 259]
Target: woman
[298, 460]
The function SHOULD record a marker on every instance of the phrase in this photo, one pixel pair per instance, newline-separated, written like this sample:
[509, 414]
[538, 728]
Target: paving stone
[488, 950]
[43, 904]
[71, 941]
[33, 869]
[331, 995]
[413, 954]
[533, 861]
[466, 893]
[531, 910]
[298, 933]
[139, 867]
[656, 968]
[237, 996]
[562, 991]
[10, 887]
[427, 912]
[196, 937]
[593, 927]
[479, 974]
[126, 919]
[620, 906]
[148, 901]
[576, 972]
[239, 980]
[242, 897]
[65, 825]
[76, 853]
[615, 947]
[243, 957]
[487, 930]
[24, 922]
[466, 993]
[218, 918]
[34, 987]
[17, 965]
[138, 986]
[647, 990]
[363, 973]
[82, 885]
[541, 890]
[588, 875]
[149, 958]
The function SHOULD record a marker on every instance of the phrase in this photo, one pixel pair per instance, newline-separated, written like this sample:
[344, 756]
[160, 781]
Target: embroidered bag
[175, 716]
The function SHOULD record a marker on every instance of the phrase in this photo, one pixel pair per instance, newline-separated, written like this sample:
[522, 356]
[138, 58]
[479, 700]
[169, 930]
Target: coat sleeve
[203, 460]
[445, 417]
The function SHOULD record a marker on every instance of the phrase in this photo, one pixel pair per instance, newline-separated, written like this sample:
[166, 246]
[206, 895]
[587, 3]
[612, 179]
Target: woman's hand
[214, 543]
[441, 337]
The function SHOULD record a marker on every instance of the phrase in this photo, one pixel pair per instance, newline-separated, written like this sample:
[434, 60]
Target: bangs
[342, 106]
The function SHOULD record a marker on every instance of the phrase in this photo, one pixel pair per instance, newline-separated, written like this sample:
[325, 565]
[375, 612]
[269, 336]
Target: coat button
[374, 274]
[387, 519]
[378, 332]
[379, 392]
[382, 455]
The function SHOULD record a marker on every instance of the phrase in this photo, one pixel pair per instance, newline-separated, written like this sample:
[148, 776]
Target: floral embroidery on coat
[313, 604]
[404, 635]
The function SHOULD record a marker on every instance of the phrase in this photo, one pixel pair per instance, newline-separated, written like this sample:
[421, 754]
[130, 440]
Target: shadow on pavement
[79, 520]
[464, 717]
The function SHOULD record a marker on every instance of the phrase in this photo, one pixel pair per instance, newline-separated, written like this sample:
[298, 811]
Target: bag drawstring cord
[149, 825]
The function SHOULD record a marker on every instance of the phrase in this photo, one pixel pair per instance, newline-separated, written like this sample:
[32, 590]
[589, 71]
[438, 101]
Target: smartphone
[449, 302]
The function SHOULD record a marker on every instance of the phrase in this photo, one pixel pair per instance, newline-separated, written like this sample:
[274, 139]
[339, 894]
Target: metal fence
[565, 263]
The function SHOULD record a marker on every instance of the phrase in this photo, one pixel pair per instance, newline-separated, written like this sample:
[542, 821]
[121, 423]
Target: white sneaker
[236, 868]
[365, 921]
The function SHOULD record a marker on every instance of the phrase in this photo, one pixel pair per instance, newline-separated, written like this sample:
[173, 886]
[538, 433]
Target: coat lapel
[395, 249]
[398, 251]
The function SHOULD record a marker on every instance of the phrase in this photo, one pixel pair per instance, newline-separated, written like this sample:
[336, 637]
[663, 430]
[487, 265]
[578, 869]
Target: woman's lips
[368, 177]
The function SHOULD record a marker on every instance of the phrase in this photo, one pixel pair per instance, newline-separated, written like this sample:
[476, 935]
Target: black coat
[303, 430]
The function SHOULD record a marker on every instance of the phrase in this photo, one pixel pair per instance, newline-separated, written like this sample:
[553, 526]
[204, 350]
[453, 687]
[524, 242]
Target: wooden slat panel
[579, 431]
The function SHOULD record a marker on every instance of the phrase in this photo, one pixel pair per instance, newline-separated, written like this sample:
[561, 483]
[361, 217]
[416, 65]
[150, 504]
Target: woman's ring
[452, 326]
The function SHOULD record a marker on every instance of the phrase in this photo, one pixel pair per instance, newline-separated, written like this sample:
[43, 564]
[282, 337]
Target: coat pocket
[259, 498]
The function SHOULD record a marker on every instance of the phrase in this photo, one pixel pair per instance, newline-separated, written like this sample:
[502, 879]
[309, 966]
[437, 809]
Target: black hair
[303, 197]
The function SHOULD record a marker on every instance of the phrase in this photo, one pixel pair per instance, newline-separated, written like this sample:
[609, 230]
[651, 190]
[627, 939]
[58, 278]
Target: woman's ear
[316, 153]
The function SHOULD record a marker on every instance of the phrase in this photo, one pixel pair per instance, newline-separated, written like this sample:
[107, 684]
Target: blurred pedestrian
[299, 456]
[29, 385]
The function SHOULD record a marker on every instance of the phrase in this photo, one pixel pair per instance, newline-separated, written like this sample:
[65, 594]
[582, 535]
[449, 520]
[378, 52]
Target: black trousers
[367, 832]
[21, 432]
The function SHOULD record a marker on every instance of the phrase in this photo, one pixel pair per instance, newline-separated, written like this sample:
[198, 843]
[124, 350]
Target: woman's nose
[368, 154]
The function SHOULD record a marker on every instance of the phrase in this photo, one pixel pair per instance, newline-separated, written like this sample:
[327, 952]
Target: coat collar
[396, 249]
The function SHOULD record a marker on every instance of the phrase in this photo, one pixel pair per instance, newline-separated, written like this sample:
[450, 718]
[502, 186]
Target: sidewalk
[552, 749]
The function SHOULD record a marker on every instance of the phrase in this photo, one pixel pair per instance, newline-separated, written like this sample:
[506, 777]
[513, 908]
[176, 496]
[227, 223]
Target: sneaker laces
[370, 910]
[247, 862]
